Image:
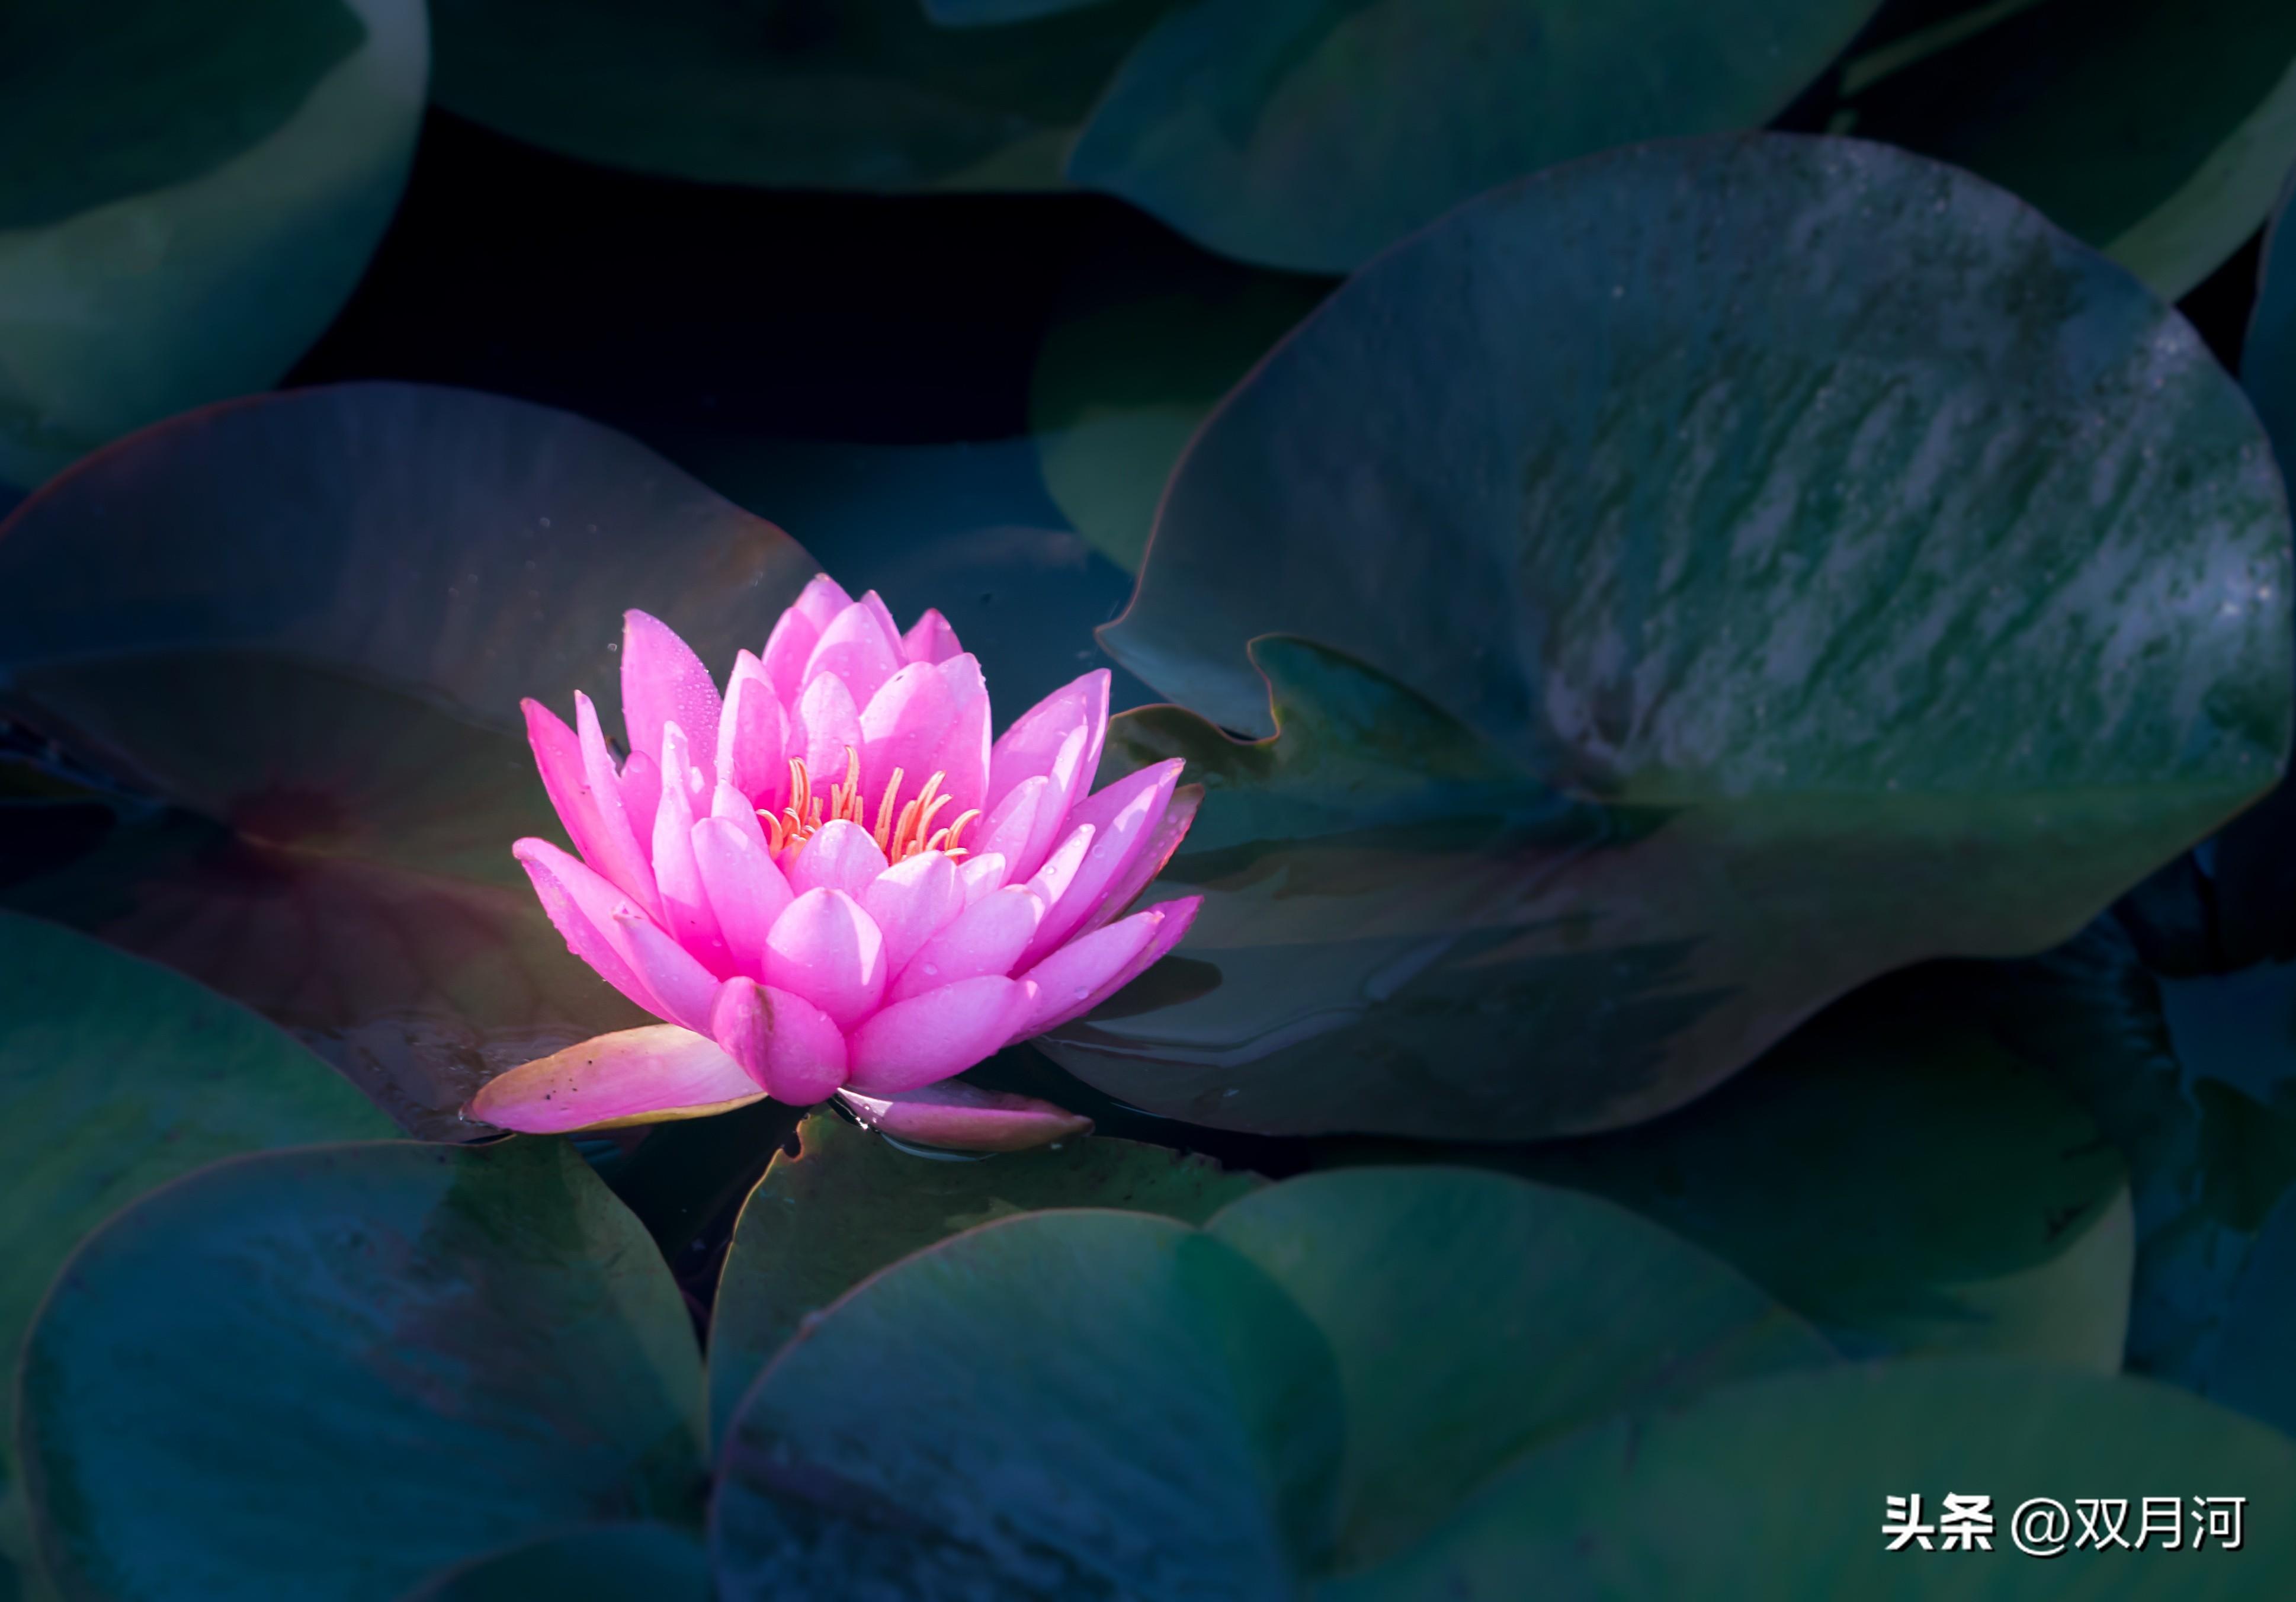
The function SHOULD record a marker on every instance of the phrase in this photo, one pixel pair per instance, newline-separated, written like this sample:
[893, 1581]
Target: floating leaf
[305, 623]
[1799, 617]
[1460, 1307]
[839, 94]
[332, 1371]
[2255, 1365]
[119, 1076]
[849, 1204]
[189, 189]
[610, 1563]
[2158, 133]
[1777, 1487]
[1311, 134]
[982, 14]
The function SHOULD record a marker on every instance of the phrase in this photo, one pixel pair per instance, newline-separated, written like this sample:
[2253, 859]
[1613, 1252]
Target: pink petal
[747, 893]
[956, 1116]
[581, 906]
[902, 726]
[1173, 921]
[962, 753]
[753, 737]
[641, 786]
[820, 601]
[735, 807]
[1164, 837]
[827, 725]
[1122, 817]
[683, 987]
[987, 937]
[1052, 881]
[981, 873]
[929, 639]
[1011, 823]
[792, 640]
[664, 682]
[632, 1076]
[841, 856]
[826, 949]
[558, 756]
[915, 1042]
[684, 902]
[1065, 781]
[1068, 979]
[1037, 735]
[912, 901]
[787, 1045]
[619, 858]
[860, 646]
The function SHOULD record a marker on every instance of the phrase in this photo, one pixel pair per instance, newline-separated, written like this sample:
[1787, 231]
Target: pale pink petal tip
[960, 1117]
[634, 1076]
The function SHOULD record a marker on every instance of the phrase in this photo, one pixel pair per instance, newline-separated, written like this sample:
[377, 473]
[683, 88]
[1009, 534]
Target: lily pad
[1797, 618]
[1150, 335]
[2158, 133]
[334, 1370]
[1778, 1488]
[833, 93]
[850, 1202]
[1311, 134]
[610, 1563]
[984, 13]
[119, 1076]
[2255, 1365]
[188, 194]
[301, 625]
[1474, 1317]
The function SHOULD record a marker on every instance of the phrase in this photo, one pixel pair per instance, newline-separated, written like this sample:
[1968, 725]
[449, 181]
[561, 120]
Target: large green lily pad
[303, 623]
[2157, 133]
[119, 1076]
[332, 1371]
[1799, 616]
[834, 93]
[850, 1203]
[1311, 134]
[1894, 1174]
[1779, 1489]
[608, 1563]
[189, 190]
[1088, 1402]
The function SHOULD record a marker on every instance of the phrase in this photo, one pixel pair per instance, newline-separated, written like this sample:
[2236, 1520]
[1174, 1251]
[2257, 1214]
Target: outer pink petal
[912, 901]
[581, 906]
[962, 752]
[664, 682]
[903, 728]
[820, 601]
[753, 737]
[791, 642]
[747, 893]
[957, 1116]
[860, 646]
[981, 873]
[557, 755]
[1068, 980]
[684, 902]
[841, 856]
[685, 988]
[826, 949]
[618, 857]
[987, 937]
[929, 639]
[1174, 920]
[1037, 735]
[1164, 837]
[787, 1045]
[641, 788]
[827, 725]
[916, 1042]
[1065, 782]
[1122, 817]
[1052, 881]
[632, 1076]
[1012, 823]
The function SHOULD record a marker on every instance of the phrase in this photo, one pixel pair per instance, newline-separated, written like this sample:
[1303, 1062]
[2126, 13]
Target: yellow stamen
[900, 834]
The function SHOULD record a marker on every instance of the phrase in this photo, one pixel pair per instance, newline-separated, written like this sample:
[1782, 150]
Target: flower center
[898, 836]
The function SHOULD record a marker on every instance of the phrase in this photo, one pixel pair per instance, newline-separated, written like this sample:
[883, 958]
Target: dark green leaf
[189, 191]
[850, 1203]
[2255, 1364]
[305, 623]
[119, 1076]
[332, 1371]
[1311, 134]
[1911, 592]
[2157, 133]
[838, 93]
[982, 14]
[610, 1563]
[1463, 1309]
[1777, 1489]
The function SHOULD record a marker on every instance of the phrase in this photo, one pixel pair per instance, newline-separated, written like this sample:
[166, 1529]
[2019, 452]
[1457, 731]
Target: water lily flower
[829, 879]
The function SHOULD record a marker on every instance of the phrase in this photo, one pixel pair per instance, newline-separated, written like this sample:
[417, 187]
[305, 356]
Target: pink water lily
[829, 879]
